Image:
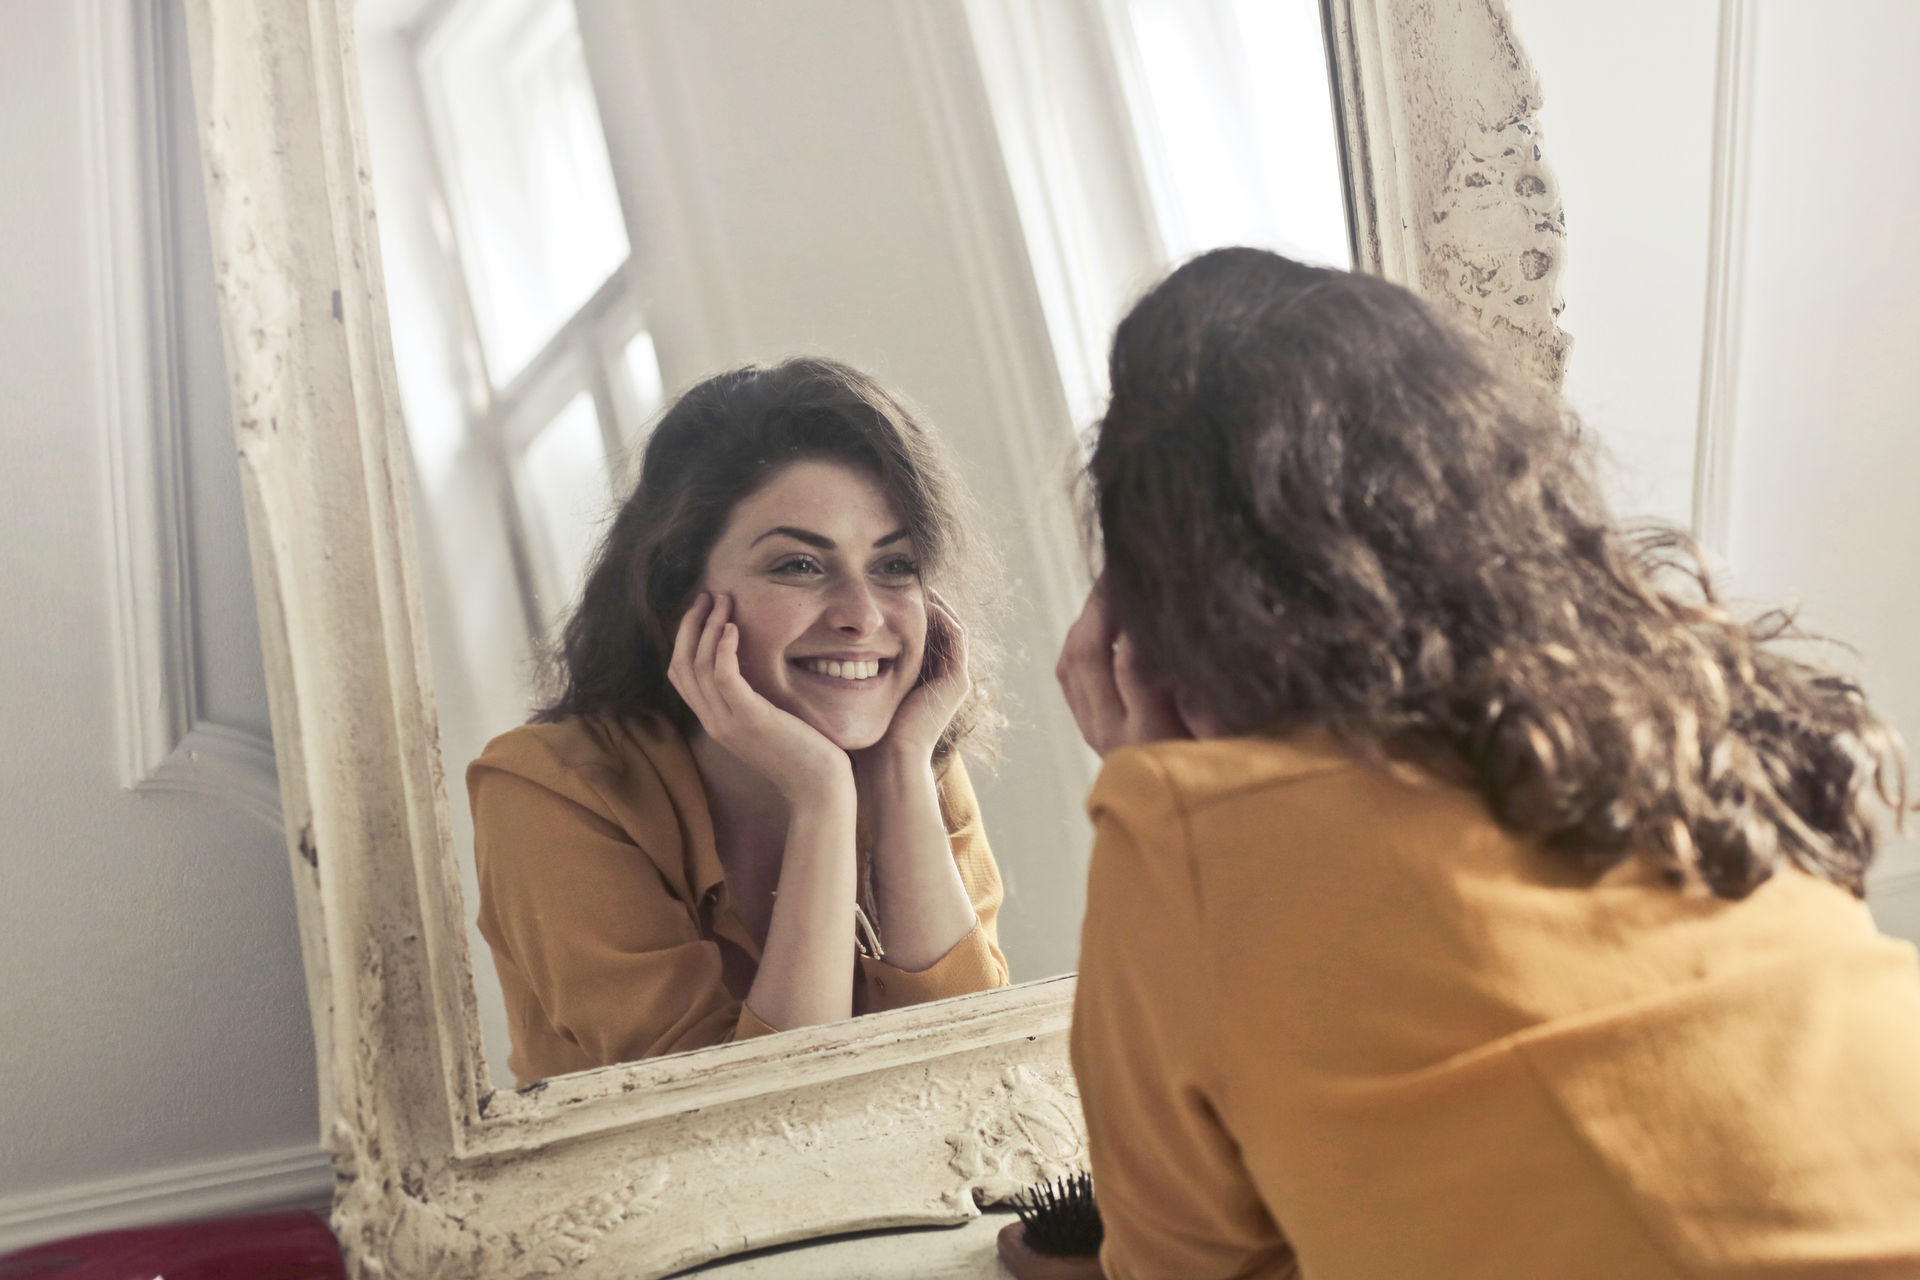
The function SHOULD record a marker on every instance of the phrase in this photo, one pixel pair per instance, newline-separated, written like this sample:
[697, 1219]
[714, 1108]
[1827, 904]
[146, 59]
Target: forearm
[923, 904]
[806, 968]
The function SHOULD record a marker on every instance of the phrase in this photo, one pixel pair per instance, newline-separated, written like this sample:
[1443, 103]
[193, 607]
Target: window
[525, 165]
[556, 373]
[1232, 104]
[1137, 133]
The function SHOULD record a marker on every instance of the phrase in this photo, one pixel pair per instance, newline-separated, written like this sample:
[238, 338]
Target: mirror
[587, 207]
[920, 1114]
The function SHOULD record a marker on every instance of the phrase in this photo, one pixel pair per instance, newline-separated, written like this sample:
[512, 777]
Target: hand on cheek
[929, 706]
[1114, 701]
[791, 754]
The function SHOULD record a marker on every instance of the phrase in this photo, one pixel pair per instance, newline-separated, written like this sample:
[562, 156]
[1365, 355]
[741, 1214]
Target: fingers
[1129, 681]
[1114, 698]
[716, 673]
[703, 655]
[731, 686]
[946, 656]
[1086, 675]
[686, 642]
[695, 649]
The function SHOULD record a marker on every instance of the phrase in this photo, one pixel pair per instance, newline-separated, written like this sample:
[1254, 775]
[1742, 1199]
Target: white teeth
[843, 670]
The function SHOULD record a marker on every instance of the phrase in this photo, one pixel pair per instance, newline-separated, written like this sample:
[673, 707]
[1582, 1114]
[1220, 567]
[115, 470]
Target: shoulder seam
[1182, 810]
[1185, 803]
[581, 772]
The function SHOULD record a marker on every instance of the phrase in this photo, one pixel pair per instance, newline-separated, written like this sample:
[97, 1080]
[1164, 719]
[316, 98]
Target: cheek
[770, 620]
[909, 622]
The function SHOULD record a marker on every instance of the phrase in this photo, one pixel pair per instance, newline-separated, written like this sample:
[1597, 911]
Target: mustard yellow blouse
[1336, 1023]
[611, 921]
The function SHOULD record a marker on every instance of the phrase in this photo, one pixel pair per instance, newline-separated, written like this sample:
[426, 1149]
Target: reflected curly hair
[1322, 506]
[718, 443]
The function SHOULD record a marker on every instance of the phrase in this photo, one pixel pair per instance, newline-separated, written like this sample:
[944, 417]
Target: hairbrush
[1060, 1217]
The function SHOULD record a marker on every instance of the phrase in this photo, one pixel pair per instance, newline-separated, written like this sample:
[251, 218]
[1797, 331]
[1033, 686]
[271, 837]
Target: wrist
[827, 785]
[888, 762]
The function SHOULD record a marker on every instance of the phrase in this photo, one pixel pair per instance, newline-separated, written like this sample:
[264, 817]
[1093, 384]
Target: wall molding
[299, 1177]
[1726, 268]
[1084, 204]
[1025, 380]
[234, 765]
[166, 744]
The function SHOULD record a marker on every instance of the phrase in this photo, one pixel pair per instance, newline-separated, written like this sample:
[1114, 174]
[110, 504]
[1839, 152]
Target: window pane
[562, 485]
[526, 168]
[642, 367]
[1237, 116]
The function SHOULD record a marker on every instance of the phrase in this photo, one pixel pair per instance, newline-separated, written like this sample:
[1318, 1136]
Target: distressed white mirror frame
[910, 1117]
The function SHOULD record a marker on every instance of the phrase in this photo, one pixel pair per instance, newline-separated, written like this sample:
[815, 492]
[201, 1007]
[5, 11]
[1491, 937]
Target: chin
[848, 728]
[849, 737]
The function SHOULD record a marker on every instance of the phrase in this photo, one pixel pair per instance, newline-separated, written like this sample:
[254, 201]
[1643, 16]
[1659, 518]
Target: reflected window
[565, 494]
[1232, 106]
[529, 367]
[1137, 133]
[642, 366]
[525, 163]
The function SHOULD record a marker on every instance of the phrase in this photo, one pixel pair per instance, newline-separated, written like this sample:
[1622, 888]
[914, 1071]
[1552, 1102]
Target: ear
[1200, 722]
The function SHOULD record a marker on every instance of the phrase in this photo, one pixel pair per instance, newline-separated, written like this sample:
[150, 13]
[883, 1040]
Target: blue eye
[799, 567]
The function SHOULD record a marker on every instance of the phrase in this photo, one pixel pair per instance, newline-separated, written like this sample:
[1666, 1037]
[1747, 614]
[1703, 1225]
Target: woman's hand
[795, 757]
[924, 714]
[1112, 699]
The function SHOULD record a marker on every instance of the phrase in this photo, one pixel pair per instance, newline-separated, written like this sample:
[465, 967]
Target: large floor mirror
[587, 206]
[469, 251]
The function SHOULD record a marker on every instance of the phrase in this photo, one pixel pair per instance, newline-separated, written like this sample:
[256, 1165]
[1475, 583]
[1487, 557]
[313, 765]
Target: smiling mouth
[845, 672]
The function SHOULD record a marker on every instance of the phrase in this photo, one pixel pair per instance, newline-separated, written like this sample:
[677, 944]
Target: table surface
[964, 1252]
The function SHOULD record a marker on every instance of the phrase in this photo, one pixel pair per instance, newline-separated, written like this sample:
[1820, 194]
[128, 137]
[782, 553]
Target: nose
[853, 608]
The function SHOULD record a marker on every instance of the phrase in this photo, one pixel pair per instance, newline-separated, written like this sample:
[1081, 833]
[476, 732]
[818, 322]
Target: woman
[744, 811]
[1472, 896]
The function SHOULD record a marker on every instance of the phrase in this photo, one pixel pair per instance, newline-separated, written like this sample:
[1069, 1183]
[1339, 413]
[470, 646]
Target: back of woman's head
[1324, 505]
[718, 443]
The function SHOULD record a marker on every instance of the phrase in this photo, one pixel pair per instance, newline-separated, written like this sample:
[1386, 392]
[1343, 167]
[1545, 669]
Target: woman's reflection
[744, 811]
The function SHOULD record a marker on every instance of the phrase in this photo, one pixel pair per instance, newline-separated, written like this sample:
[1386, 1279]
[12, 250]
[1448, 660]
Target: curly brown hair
[718, 443]
[1323, 504]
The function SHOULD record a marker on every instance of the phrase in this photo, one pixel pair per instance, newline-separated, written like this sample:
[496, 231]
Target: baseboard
[290, 1178]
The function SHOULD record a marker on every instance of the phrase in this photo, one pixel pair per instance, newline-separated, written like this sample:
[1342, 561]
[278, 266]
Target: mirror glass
[588, 206]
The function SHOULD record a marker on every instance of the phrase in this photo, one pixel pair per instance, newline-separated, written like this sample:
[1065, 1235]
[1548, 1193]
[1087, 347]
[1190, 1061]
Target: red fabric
[270, 1246]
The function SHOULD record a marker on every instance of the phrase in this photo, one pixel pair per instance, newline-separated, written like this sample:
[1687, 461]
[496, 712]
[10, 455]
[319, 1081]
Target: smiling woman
[832, 614]
[743, 812]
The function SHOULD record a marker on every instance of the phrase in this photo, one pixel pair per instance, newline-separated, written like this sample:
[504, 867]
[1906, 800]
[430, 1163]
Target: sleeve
[608, 957]
[1174, 1196]
[975, 963]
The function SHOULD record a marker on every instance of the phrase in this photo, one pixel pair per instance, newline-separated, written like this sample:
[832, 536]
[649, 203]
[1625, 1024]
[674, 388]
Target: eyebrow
[813, 539]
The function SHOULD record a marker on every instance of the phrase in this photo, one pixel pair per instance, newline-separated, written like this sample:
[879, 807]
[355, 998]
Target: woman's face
[827, 595]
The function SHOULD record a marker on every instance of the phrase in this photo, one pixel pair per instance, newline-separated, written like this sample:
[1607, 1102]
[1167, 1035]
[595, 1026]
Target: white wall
[1634, 171]
[156, 1054]
[1827, 446]
[1823, 453]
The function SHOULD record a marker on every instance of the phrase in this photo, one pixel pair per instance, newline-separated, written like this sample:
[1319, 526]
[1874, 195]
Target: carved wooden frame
[910, 1117]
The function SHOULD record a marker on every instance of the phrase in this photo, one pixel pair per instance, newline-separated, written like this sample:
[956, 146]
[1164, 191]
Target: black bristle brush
[1060, 1217]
